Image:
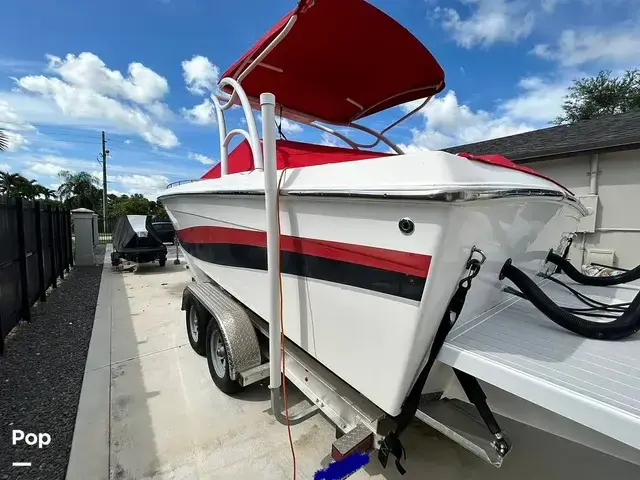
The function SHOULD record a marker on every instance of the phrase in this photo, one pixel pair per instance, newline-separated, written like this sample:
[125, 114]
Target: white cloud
[58, 160]
[88, 71]
[5, 167]
[160, 110]
[40, 110]
[615, 47]
[48, 165]
[447, 123]
[490, 21]
[15, 65]
[202, 114]
[91, 96]
[11, 124]
[10, 120]
[540, 102]
[151, 162]
[147, 185]
[549, 6]
[45, 169]
[328, 140]
[142, 181]
[202, 158]
[288, 126]
[16, 140]
[84, 103]
[200, 75]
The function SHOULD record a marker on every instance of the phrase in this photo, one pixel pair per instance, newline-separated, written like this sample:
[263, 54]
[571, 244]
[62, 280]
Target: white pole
[268, 106]
[222, 134]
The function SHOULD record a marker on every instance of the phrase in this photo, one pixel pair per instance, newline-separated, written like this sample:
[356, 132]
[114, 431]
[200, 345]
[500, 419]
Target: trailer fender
[240, 337]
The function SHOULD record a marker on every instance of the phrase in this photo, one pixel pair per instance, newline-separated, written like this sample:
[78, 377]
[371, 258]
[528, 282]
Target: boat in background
[371, 250]
[135, 239]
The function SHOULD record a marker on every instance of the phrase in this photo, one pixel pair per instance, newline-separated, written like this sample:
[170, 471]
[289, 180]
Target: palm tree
[41, 191]
[48, 193]
[16, 185]
[79, 190]
[10, 183]
[4, 141]
[28, 189]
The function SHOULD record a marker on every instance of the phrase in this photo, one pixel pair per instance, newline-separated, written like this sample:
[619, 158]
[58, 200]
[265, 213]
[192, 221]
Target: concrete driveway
[149, 409]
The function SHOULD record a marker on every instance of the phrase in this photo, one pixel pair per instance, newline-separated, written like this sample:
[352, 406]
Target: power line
[69, 135]
[79, 142]
[37, 126]
[146, 149]
[65, 134]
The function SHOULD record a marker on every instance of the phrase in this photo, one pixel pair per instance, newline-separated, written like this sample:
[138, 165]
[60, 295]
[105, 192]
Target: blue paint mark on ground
[342, 468]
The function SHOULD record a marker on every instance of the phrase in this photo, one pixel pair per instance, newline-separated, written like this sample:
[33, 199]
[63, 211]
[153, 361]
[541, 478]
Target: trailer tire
[218, 360]
[196, 321]
[162, 261]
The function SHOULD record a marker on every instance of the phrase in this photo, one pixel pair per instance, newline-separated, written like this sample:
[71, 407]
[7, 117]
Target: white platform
[517, 349]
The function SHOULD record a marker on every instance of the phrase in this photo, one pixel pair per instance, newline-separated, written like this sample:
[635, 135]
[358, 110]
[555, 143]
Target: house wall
[618, 202]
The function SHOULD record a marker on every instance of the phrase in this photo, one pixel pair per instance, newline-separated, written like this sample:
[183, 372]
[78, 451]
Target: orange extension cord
[282, 339]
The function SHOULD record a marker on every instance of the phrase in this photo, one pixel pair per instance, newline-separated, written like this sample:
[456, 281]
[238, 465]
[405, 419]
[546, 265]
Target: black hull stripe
[293, 263]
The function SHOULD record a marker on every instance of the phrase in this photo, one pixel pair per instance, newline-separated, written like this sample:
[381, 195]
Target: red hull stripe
[393, 260]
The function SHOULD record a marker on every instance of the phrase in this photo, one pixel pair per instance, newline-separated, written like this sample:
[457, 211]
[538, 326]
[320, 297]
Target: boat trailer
[360, 425]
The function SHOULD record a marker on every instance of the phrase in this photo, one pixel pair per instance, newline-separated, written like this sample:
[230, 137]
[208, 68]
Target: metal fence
[36, 247]
[105, 230]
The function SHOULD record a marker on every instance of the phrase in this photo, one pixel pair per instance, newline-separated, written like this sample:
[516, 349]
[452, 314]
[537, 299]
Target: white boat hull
[371, 327]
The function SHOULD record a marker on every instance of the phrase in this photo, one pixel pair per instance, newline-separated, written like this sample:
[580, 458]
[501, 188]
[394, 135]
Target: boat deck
[517, 349]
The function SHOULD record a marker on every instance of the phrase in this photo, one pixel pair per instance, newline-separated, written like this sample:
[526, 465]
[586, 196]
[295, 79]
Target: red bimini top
[328, 66]
[298, 155]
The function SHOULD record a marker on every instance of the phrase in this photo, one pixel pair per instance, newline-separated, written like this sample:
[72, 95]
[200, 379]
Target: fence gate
[105, 230]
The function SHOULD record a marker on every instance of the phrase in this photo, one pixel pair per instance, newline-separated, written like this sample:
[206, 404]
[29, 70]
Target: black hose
[591, 302]
[625, 325]
[585, 312]
[577, 276]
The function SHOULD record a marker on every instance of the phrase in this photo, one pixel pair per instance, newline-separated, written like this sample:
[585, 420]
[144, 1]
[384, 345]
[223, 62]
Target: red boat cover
[297, 155]
[293, 155]
[329, 63]
[501, 161]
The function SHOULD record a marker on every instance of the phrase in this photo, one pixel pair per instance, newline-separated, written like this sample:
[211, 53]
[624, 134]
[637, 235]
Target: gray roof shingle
[606, 133]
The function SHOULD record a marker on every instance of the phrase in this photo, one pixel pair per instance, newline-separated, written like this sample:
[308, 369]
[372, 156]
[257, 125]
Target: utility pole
[104, 154]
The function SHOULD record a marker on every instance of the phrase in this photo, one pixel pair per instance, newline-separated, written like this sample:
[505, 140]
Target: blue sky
[139, 69]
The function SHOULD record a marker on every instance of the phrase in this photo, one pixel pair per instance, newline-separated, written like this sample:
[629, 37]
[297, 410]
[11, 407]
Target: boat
[136, 240]
[374, 249]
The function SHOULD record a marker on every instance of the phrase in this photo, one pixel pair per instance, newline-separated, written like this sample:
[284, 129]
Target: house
[599, 161]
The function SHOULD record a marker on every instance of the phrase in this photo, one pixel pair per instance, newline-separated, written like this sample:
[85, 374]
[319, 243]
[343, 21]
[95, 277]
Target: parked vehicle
[136, 240]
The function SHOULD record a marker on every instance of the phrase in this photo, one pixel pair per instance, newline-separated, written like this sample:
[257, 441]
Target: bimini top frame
[321, 61]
